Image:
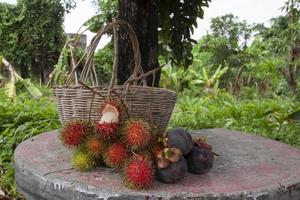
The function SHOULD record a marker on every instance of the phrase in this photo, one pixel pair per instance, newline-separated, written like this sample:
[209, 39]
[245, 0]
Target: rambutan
[110, 120]
[74, 132]
[111, 112]
[115, 155]
[138, 172]
[107, 131]
[137, 134]
[95, 146]
[82, 161]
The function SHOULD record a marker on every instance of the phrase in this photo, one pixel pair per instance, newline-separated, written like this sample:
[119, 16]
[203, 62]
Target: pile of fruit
[135, 147]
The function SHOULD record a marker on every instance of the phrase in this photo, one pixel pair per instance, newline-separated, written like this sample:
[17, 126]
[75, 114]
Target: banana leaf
[10, 88]
[31, 88]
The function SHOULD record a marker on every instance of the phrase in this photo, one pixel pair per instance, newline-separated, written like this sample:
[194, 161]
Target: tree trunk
[142, 15]
[291, 73]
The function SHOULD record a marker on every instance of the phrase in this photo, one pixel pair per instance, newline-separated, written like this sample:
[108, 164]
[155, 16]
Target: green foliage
[284, 38]
[10, 84]
[66, 62]
[250, 92]
[173, 78]
[103, 63]
[270, 117]
[194, 79]
[276, 36]
[107, 10]
[263, 64]
[210, 80]
[20, 120]
[31, 35]
[176, 22]
[227, 42]
[68, 5]
[61, 67]
[252, 96]
[236, 32]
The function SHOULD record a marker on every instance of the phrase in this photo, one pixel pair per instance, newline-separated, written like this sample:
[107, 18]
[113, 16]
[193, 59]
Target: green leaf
[197, 82]
[10, 88]
[31, 88]
[205, 77]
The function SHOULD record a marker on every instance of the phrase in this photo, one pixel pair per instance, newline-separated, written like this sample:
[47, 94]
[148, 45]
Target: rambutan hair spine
[75, 131]
[115, 155]
[137, 134]
[138, 172]
[95, 146]
[109, 123]
[82, 161]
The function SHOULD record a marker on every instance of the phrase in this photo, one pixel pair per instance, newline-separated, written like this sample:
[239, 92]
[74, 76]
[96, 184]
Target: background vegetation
[240, 76]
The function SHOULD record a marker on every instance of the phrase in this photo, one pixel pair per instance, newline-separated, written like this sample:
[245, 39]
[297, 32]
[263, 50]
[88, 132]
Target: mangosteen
[200, 160]
[180, 138]
[173, 173]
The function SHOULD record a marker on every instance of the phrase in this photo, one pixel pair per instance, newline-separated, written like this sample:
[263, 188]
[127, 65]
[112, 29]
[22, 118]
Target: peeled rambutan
[110, 120]
[74, 132]
[82, 161]
[115, 155]
[138, 172]
[111, 112]
[137, 134]
[95, 146]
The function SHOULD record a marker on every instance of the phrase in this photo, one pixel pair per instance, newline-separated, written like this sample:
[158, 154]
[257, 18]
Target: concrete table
[248, 168]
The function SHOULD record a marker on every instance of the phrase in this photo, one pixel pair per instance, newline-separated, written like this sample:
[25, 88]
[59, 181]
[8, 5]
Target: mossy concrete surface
[249, 168]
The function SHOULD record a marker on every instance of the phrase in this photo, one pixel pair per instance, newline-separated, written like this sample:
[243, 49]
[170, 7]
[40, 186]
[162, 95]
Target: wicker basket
[80, 101]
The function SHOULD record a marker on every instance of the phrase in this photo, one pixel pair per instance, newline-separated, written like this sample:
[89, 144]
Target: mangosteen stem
[215, 154]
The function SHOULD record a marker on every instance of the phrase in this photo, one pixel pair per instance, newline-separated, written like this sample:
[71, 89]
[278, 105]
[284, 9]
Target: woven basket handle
[89, 70]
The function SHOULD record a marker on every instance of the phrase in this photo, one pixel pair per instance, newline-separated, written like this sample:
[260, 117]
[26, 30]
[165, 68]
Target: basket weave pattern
[152, 104]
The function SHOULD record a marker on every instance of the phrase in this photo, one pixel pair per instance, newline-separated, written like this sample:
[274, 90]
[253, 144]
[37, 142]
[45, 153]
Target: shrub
[269, 117]
[19, 120]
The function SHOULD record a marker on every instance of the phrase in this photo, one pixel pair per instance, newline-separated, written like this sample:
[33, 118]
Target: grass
[268, 117]
[21, 119]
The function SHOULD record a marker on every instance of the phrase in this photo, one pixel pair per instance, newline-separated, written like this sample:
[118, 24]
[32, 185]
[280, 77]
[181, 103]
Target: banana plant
[209, 80]
[62, 69]
[14, 78]
[172, 78]
[278, 118]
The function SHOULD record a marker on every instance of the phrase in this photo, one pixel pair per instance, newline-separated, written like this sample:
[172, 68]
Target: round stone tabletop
[249, 168]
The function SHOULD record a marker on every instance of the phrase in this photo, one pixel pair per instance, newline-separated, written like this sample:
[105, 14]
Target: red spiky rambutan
[95, 146]
[74, 132]
[107, 131]
[138, 172]
[137, 134]
[110, 120]
[115, 155]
